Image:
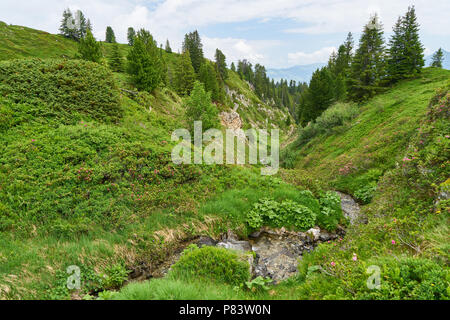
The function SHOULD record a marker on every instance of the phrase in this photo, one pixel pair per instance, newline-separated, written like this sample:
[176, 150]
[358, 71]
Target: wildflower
[393, 242]
[333, 263]
[32, 140]
[355, 257]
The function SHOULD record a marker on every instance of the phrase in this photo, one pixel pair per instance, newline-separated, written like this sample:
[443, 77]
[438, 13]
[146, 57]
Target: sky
[277, 34]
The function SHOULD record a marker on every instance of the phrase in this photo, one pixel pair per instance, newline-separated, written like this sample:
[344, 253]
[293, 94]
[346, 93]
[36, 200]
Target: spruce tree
[233, 67]
[89, 49]
[405, 54]
[89, 26]
[368, 65]
[115, 60]
[131, 34]
[199, 108]
[438, 58]
[209, 77]
[168, 48]
[110, 36]
[185, 74]
[81, 24]
[414, 47]
[221, 64]
[193, 44]
[68, 26]
[144, 63]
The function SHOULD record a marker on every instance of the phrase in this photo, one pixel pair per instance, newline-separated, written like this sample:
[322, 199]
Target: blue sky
[277, 34]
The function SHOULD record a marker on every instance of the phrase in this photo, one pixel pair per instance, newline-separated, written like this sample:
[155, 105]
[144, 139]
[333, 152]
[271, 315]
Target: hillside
[87, 180]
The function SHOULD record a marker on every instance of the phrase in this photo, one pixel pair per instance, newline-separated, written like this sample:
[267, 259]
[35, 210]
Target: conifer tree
[221, 64]
[438, 58]
[144, 63]
[199, 108]
[185, 75]
[89, 49]
[89, 25]
[81, 24]
[168, 48]
[233, 67]
[115, 60]
[131, 34]
[368, 65]
[193, 44]
[110, 36]
[68, 25]
[414, 47]
[405, 53]
[209, 77]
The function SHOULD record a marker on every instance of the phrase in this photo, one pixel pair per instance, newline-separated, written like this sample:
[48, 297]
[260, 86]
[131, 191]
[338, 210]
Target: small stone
[314, 233]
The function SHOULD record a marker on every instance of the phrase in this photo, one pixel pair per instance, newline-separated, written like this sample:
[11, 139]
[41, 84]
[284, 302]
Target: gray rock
[350, 208]
[206, 242]
[243, 246]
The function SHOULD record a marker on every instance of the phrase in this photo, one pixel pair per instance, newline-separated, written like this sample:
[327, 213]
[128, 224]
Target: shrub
[200, 108]
[330, 211]
[268, 212]
[335, 116]
[65, 86]
[211, 263]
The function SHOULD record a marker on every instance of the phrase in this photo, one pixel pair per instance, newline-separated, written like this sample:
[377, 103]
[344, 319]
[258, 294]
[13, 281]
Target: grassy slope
[51, 219]
[376, 139]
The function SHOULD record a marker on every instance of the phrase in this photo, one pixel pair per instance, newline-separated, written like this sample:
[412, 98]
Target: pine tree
[115, 60]
[221, 64]
[185, 75]
[89, 25]
[168, 48]
[368, 66]
[405, 54]
[233, 67]
[144, 63]
[199, 108]
[131, 34]
[438, 58]
[81, 24]
[68, 25]
[414, 47]
[209, 77]
[193, 44]
[89, 49]
[110, 36]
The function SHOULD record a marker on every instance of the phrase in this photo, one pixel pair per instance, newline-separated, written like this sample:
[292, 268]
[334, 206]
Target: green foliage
[213, 264]
[330, 211]
[210, 79]
[110, 36]
[438, 58]
[67, 87]
[368, 67]
[336, 116]
[193, 44]
[89, 49]
[221, 64]
[185, 75]
[258, 284]
[268, 212]
[200, 108]
[115, 276]
[405, 53]
[115, 60]
[131, 34]
[144, 63]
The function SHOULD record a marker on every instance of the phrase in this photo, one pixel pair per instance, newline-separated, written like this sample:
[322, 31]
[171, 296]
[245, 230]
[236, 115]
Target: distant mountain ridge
[304, 73]
[298, 73]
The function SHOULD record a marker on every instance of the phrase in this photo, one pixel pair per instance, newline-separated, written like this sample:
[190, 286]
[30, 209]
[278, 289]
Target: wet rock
[206, 242]
[350, 208]
[243, 246]
[313, 233]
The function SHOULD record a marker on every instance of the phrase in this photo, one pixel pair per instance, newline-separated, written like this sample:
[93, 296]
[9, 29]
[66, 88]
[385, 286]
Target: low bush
[335, 116]
[213, 264]
[65, 86]
[288, 213]
[330, 211]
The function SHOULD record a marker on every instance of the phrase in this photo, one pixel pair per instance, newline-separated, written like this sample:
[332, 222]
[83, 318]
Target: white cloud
[303, 58]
